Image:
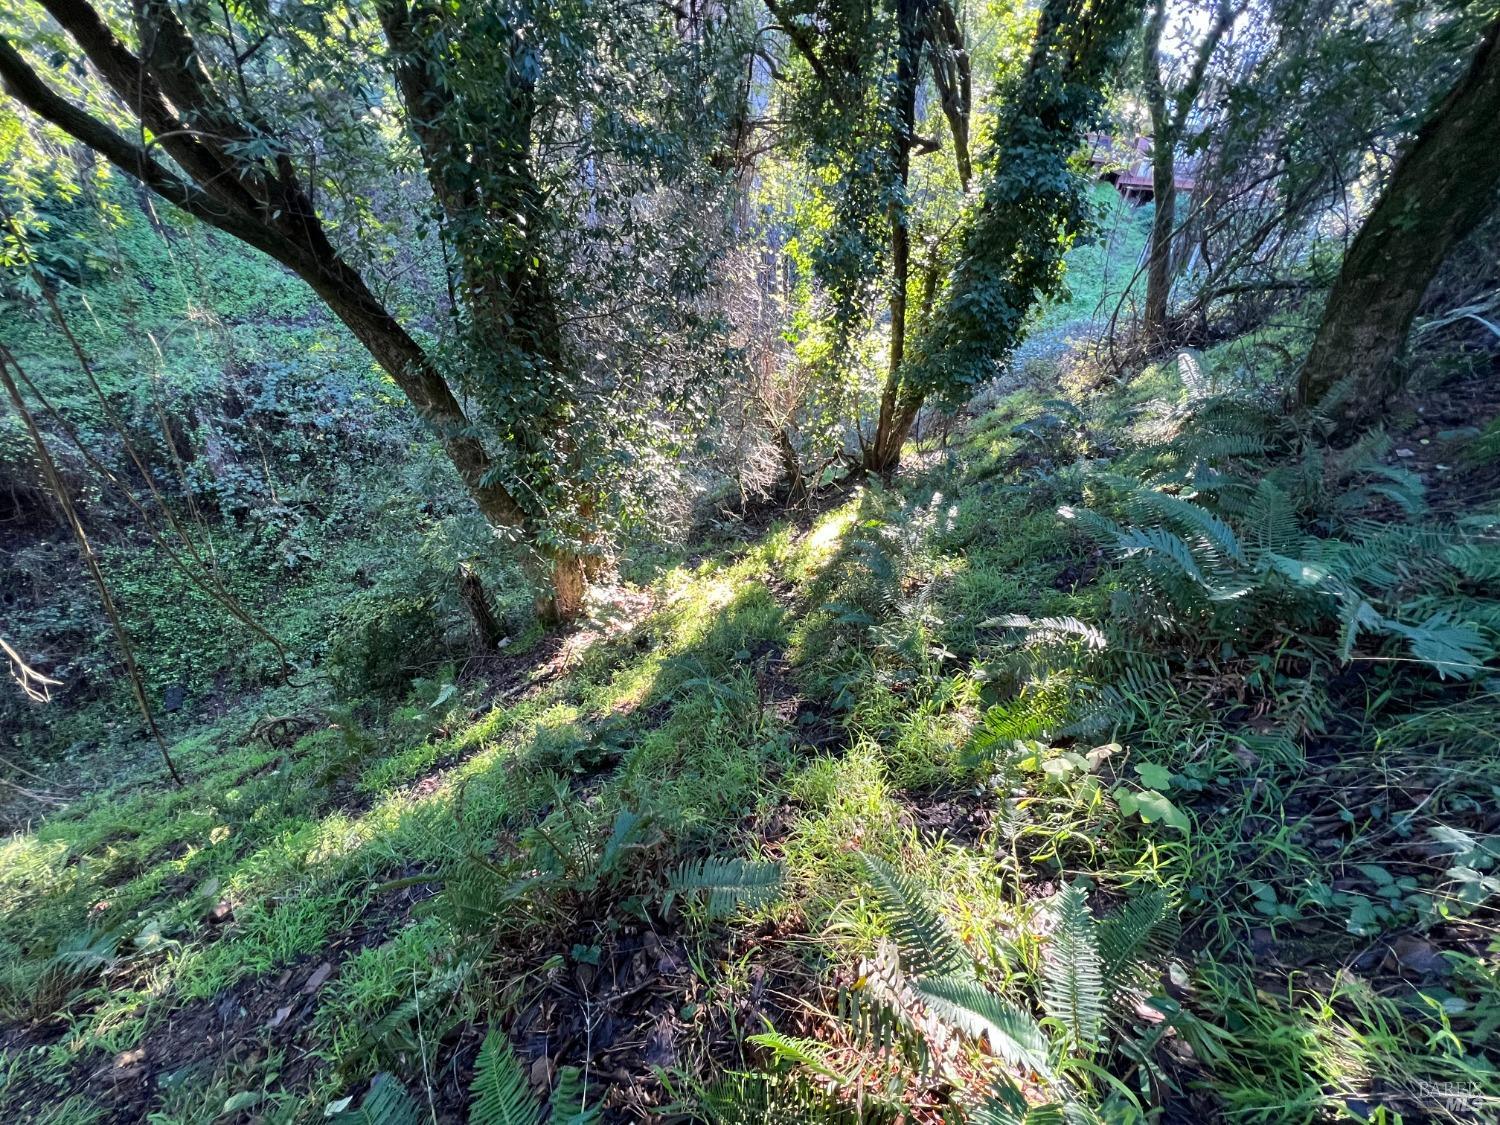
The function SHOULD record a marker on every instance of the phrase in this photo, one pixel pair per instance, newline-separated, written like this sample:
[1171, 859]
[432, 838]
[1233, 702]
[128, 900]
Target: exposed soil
[238, 1027]
[1445, 419]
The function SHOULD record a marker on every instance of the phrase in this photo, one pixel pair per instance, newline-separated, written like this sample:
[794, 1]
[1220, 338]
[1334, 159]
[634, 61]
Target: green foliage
[1073, 992]
[1090, 968]
[1010, 1032]
[755, 1097]
[502, 1095]
[724, 885]
[500, 1091]
[387, 1103]
[927, 946]
[379, 643]
[1033, 206]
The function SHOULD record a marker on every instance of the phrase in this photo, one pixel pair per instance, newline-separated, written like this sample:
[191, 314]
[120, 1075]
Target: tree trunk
[877, 457]
[1169, 120]
[1442, 187]
[1163, 177]
[391, 346]
[263, 204]
[792, 480]
[883, 455]
[487, 632]
[568, 578]
[1159, 264]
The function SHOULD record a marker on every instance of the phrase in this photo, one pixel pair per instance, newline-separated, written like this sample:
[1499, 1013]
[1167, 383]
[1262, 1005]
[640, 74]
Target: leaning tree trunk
[1441, 189]
[263, 203]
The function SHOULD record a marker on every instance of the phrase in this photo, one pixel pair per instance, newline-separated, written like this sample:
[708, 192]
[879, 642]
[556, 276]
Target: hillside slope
[1137, 749]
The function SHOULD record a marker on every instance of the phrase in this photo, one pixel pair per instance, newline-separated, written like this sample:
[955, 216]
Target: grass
[838, 689]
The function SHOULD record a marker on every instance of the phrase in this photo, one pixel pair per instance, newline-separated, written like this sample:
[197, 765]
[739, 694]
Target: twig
[65, 501]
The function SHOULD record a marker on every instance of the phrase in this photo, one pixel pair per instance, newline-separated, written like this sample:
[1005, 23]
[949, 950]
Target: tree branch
[801, 40]
[136, 85]
[23, 84]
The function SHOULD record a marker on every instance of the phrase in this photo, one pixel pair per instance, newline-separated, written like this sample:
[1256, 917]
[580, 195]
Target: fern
[1164, 544]
[628, 832]
[1213, 447]
[966, 1004]
[387, 1103]
[1270, 518]
[757, 1099]
[878, 1028]
[725, 884]
[1139, 929]
[1073, 977]
[811, 1053]
[1006, 1106]
[928, 946]
[1190, 516]
[500, 1091]
[1451, 647]
[569, 1104]
[1478, 562]
[1050, 627]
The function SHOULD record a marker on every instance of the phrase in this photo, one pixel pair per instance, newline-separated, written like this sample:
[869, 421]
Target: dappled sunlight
[949, 575]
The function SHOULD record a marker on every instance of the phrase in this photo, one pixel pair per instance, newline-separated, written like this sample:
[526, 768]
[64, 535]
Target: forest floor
[344, 893]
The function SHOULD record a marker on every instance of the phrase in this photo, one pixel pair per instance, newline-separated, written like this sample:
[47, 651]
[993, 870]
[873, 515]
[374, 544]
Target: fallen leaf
[1419, 956]
[541, 1072]
[320, 974]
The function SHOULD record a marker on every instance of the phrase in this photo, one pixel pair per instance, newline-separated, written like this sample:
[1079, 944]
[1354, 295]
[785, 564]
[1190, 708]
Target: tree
[866, 66]
[1033, 206]
[1440, 189]
[209, 116]
[1170, 112]
[985, 261]
[1308, 98]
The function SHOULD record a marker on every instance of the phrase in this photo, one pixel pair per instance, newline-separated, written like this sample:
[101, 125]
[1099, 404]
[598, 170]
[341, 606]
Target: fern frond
[627, 833]
[879, 1028]
[1073, 977]
[756, 1098]
[1478, 562]
[726, 884]
[814, 1054]
[569, 1102]
[1164, 544]
[1045, 628]
[1187, 515]
[1270, 520]
[1006, 1106]
[1012, 1034]
[1212, 447]
[500, 1091]
[1452, 648]
[1138, 930]
[387, 1103]
[1101, 527]
[927, 944]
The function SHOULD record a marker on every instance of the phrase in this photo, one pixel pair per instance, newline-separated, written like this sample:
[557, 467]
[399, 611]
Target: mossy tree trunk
[1442, 187]
[265, 204]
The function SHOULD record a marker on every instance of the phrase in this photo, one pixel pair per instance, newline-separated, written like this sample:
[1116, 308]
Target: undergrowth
[1140, 752]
